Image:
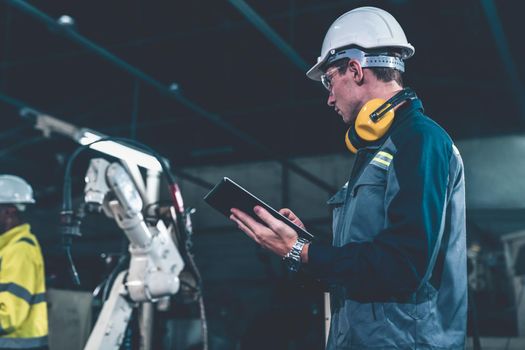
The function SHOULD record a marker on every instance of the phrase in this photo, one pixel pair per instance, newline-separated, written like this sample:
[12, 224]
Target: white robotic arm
[155, 260]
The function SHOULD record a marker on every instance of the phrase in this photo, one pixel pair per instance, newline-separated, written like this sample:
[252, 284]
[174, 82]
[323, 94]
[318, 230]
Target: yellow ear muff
[366, 128]
[348, 143]
[374, 119]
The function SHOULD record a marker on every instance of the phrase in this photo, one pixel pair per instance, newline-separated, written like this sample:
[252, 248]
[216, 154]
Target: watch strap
[293, 257]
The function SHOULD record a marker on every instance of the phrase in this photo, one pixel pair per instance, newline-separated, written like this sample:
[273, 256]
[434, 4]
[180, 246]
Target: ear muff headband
[374, 119]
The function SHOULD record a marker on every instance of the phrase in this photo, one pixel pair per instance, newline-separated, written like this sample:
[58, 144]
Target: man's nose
[331, 99]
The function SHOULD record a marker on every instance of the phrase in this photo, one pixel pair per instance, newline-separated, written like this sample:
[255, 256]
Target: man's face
[343, 93]
[6, 216]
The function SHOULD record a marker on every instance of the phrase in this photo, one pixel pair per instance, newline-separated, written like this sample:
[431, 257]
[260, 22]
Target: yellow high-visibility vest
[23, 308]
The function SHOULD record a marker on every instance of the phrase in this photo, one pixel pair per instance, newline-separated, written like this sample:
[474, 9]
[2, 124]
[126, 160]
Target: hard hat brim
[315, 72]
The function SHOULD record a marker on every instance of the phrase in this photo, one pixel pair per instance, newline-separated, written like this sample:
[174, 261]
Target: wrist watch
[293, 258]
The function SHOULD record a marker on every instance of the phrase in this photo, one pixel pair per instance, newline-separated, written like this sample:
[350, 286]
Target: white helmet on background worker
[364, 28]
[15, 190]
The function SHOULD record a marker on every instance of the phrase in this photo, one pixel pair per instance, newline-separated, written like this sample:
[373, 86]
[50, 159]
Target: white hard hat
[15, 190]
[367, 28]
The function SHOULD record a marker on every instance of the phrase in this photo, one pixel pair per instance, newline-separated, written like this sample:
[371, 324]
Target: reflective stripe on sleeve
[22, 293]
[23, 343]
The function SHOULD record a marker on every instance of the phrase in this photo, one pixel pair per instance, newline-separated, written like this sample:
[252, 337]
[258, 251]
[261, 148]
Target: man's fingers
[272, 234]
[287, 213]
[250, 223]
[246, 219]
[291, 216]
[244, 228]
[268, 219]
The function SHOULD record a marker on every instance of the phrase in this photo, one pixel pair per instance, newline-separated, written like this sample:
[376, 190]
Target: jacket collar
[13, 233]
[406, 110]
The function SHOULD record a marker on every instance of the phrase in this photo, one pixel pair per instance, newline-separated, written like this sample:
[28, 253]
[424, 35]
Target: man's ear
[356, 70]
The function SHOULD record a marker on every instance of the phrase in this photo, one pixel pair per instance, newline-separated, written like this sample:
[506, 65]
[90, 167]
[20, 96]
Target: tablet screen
[227, 194]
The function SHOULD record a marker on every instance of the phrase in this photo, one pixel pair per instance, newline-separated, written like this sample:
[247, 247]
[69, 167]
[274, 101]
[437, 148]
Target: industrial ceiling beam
[270, 33]
[201, 31]
[173, 91]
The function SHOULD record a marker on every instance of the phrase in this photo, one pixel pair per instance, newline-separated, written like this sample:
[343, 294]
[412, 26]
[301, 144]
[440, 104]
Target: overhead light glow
[117, 150]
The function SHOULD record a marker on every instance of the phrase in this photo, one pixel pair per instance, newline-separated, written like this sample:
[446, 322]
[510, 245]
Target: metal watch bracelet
[293, 257]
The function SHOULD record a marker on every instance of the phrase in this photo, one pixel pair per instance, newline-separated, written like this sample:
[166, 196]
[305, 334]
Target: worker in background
[23, 309]
[397, 262]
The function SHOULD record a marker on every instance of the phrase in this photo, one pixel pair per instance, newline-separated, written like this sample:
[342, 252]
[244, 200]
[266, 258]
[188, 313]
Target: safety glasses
[326, 78]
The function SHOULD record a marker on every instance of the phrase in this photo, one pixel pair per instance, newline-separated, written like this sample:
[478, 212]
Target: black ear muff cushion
[353, 141]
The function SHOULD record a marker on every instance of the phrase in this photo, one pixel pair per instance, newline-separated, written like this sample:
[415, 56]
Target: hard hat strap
[367, 60]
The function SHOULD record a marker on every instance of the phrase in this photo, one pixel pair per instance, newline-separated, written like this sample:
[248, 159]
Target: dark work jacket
[397, 265]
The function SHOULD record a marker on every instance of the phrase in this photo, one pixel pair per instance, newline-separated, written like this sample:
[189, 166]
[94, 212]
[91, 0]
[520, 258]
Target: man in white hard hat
[23, 309]
[397, 263]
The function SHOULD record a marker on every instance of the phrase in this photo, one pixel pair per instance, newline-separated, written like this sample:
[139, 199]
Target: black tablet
[227, 194]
